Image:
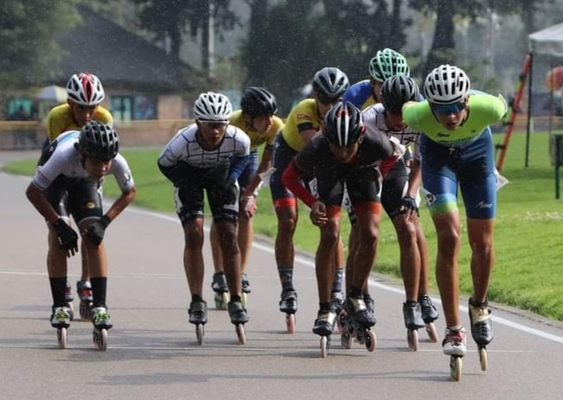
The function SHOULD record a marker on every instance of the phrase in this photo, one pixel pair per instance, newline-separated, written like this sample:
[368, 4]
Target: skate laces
[198, 307]
[328, 316]
[455, 337]
[479, 312]
[61, 314]
[355, 305]
[289, 295]
[101, 316]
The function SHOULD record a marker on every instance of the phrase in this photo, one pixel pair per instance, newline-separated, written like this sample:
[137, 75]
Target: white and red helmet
[85, 89]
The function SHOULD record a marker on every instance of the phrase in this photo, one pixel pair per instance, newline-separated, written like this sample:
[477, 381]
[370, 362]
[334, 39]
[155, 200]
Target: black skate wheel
[199, 332]
[85, 311]
[61, 337]
[100, 339]
[290, 323]
[346, 340]
[371, 340]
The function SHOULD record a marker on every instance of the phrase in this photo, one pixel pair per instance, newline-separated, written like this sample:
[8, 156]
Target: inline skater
[257, 119]
[209, 155]
[457, 150]
[399, 198]
[345, 155]
[302, 123]
[73, 168]
[84, 96]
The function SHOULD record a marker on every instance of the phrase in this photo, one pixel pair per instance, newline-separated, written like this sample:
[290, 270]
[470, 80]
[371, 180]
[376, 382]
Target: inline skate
[337, 299]
[429, 315]
[357, 319]
[69, 298]
[197, 314]
[221, 289]
[239, 317]
[288, 305]
[481, 328]
[454, 345]
[84, 291]
[324, 326]
[60, 319]
[413, 322]
[102, 324]
[245, 289]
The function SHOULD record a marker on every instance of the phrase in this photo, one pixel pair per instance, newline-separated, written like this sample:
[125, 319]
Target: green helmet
[386, 63]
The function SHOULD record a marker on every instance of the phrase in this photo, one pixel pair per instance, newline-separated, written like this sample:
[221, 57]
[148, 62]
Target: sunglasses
[215, 125]
[449, 108]
[326, 100]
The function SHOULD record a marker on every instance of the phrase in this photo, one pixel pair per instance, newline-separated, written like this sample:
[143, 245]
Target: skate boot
[429, 315]
[197, 315]
[413, 321]
[84, 290]
[221, 289]
[481, 323]
[324, 326]
[239, 317]
[370, 303]
[288, 305]
[356, 320]
[60, 318]
[454, 345]
[69, 298]
[102, 323]
[357, 309]
[481, 328]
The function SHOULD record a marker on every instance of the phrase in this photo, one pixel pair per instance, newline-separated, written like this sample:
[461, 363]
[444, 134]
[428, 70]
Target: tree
[30, 54]
[169, 20]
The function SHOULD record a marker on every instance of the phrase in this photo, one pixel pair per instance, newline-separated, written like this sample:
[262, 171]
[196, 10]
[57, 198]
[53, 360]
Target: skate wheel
[85, 311]
[199, 332]
[325, 345]
[221, 300]
[290, 322]
[412, 338]
[483, 358]
[346, 340]
[431, 331]
[101, 339]
[244, 299]
[456, 366]
[61, 337]
[71, 311]
[240, 334]
[371, 340]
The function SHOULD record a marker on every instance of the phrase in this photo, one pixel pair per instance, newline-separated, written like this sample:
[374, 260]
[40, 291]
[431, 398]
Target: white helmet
[85, 89]
[214, 107]
[446, 84]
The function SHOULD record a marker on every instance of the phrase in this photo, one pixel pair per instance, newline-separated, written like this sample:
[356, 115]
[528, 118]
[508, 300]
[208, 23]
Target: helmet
[213, 107]
[85, 89]
[446, 84]
[396, 91]
[257, 101]
[99, 141]
[330, 83]
[343, 124]
[386, 63]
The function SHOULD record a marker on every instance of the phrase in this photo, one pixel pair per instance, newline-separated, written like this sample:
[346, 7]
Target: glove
[231, 191]
[67, 237]
[408, 204]
[95, 232]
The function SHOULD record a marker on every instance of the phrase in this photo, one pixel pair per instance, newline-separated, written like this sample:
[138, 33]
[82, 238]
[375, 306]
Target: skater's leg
[480, 233]
[325, 256]
[215, 249]
[409, 255]
[193, 255]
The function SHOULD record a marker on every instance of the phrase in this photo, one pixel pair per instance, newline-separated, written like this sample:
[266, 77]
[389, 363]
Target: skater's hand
[318, 214]
[250, 206]
[409, 207]
[95, 232]
[67, 237]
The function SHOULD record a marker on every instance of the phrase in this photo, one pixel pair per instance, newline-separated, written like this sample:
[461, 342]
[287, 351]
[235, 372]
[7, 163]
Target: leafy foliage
[27, 39]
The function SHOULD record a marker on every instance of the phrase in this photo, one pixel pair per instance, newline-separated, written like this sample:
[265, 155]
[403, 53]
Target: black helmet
[99, 141]
[396, 91]
[344, 124]
[257, 101]
[330, 83]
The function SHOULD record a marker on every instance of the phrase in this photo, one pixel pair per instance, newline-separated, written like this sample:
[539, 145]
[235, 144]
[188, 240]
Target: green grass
[528, 234]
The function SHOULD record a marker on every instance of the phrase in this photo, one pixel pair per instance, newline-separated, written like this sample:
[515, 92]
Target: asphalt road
[153, 353]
